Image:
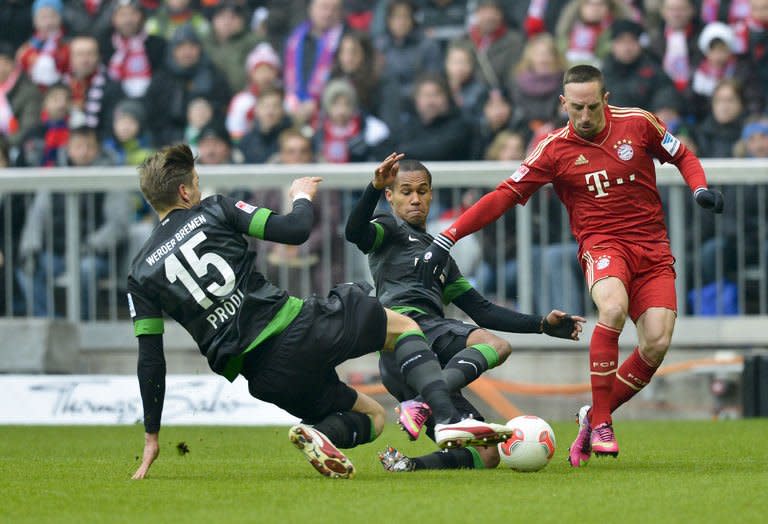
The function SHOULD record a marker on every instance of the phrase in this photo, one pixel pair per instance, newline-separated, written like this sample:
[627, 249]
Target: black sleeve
[293, 228]
[151, 372]
[488, 315]
[359, 229]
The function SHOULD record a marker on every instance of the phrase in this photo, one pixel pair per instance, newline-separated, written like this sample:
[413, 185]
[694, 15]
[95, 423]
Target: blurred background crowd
[104, 82]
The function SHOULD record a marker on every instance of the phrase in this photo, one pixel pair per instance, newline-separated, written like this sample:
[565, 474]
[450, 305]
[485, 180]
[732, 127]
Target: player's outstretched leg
[320, 452]
[581, 449]
[604, 441]
[470, 432]
[412, 415]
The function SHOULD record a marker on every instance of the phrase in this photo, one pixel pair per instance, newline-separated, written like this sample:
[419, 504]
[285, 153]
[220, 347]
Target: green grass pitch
[667, 472]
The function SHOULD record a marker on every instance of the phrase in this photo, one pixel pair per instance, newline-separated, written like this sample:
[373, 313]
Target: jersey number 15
[175, 270]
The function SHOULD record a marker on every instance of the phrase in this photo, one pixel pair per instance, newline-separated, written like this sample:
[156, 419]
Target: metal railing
[732, 249]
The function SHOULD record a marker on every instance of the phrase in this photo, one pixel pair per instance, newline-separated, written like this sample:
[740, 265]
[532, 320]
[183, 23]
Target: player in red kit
[601, 167]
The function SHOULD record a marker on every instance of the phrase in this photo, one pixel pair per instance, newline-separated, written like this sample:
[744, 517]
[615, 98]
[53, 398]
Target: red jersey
[607, 184]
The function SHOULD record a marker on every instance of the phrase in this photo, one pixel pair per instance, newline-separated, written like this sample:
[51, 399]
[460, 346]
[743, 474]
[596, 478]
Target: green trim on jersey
[279, 322]
[488, 353]
[477, 460]
[455, 289]
[379, 236]
[411, 332]
[407, 309]
[259, 222]
[149, 326]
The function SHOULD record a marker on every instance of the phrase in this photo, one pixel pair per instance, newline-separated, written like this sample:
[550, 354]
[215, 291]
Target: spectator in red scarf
[20, 100]
[40, 146]
[674, 42]
[497, 47]
[716, 42]
[263, 66]
[94, 96]
[582, 32]
[345, 133]
[309, 55]
[45, 56]
[129, 53]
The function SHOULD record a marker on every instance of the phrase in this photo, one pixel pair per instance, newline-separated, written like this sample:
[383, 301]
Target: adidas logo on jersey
[581, 161]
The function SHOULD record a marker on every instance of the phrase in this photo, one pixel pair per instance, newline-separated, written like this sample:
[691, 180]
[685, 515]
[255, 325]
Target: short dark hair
[161, 174]
[410, 164]
[582, 74]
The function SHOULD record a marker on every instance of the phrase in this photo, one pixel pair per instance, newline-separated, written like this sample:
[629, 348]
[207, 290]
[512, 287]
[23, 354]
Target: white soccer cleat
[470, 432]
[321, 453]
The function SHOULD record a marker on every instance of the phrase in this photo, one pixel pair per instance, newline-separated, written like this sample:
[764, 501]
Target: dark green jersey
[197, 268]
[392, 258]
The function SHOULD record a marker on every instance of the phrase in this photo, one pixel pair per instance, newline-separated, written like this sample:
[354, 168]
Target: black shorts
[296, 369]
[446, 336]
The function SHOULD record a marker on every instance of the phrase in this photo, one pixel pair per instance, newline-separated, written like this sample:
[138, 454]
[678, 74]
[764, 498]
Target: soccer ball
[531, 445]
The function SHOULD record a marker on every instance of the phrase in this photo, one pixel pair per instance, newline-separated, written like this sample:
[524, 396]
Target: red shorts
[645, 268]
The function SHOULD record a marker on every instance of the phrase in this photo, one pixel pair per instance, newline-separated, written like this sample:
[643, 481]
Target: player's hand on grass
[304, 187]
[387, 171]
[560, 324]
[709, 199]
[151, 451]
[433, 261]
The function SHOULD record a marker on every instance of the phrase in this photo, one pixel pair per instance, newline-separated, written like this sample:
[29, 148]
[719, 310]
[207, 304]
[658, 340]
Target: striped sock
[603, 355]
[634, 374]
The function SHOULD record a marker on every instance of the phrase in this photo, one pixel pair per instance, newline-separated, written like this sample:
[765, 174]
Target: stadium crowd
[105, 82]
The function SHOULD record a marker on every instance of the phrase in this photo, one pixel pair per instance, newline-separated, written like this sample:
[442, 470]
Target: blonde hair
[161, 174]
[526, 61]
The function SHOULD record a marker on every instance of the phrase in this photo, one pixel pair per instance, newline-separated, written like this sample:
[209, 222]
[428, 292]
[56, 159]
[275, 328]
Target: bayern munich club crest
[625, 152]
[603, 261]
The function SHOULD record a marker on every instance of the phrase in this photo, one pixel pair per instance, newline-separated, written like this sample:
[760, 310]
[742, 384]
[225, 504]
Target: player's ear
[184, 193]
[388, 194]
[562, 100]
[605, 97]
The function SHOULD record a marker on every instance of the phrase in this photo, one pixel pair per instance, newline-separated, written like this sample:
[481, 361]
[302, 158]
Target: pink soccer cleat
[413, 414]
[470, 432]
[581, 449]
[604, 441]
[321, 453]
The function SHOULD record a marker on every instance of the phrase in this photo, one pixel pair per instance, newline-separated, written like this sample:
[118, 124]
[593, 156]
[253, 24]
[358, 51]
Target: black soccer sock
[468, 364]
[347, 429]
[421, 370]
[463, 458]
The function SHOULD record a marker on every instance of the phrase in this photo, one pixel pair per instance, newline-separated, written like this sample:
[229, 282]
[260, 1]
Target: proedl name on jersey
[183, 231]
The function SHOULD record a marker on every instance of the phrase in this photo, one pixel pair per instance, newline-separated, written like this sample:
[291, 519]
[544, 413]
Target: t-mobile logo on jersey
[598, 182]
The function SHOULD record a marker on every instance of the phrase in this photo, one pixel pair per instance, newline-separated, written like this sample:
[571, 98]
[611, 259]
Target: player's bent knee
[654, 350]
[613, 314]
[503, 349]
[378, 419]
